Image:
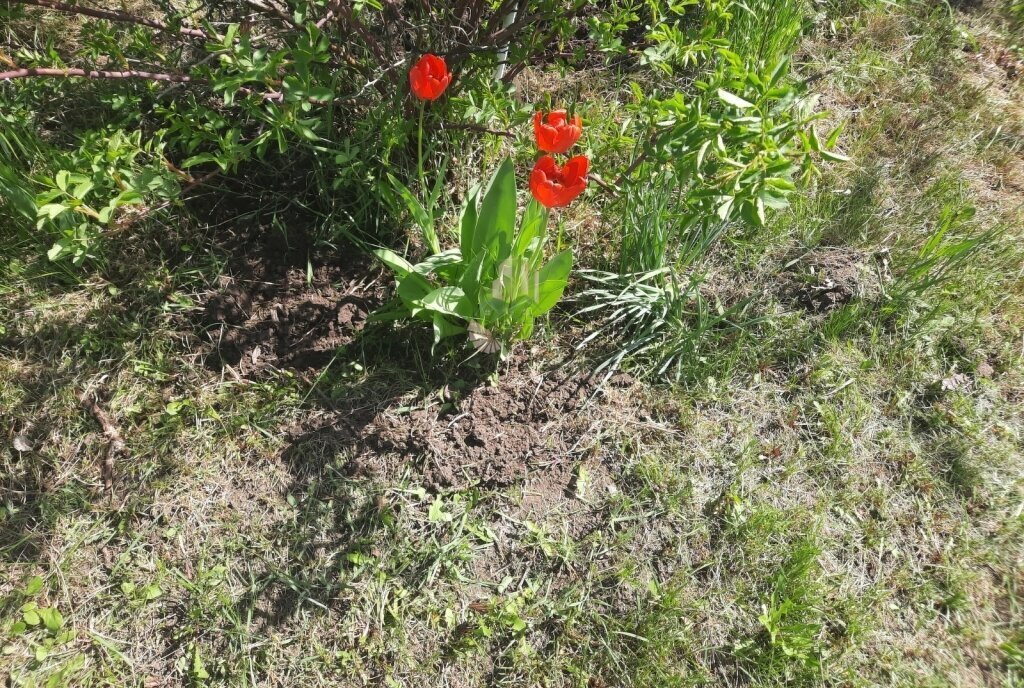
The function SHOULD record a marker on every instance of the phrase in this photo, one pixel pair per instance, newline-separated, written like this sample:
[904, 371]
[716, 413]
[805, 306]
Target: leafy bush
[312, 92]
[729, 153]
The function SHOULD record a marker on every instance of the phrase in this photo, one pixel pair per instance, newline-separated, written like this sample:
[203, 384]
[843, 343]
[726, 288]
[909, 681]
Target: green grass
[831, 499]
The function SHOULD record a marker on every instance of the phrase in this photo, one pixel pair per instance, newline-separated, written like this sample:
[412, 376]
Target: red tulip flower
[555, 132]
[429, 77]
[556, 187]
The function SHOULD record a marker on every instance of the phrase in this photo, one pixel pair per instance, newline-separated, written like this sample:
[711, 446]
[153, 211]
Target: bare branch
[93, 74]
[111, 15]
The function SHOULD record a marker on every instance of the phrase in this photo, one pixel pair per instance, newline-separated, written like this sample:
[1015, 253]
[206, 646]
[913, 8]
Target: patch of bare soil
[495, 435]
[529, 423]
[286, 306]
[828, 278]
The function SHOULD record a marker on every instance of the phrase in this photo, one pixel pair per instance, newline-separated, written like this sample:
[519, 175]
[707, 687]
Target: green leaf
[701, 153]
[467, 222]
[533, 224]
[52, 619]
[444, 328]
[437, 514]
[780, 71]
[33, 586]
[834, 157]
[81, 190]
[472, 277]
[833, 137]
[198, 669]
[421, 215]
[551, 283]
[62, 180]
[31, 617]
[396, 310]
[126, 197]
[411, 289]
[497, 219]
[815, 142]
[200, 159]
[448, 301]
[55, 251]
[733, 99]
[436, 264]
[400, 265]
[51, 210]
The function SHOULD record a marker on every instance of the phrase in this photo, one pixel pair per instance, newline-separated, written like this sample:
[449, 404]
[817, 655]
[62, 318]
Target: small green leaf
[834, 157]
[52, 619]
[51, 210]
[81, 190]
[55, 251]
[400, 265]
[444, 328]
[780, 71]
[423, 217]
[438, 263]
[33, 586]
[449, 301]
[833, 137]
[411, 288]
[551, 283]
[467, 222]
[733, 99]
[702, 152]
[533, 224]
[437, 514]
[198, 669]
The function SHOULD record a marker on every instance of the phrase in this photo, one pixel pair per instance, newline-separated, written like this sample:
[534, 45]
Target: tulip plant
[495, 284]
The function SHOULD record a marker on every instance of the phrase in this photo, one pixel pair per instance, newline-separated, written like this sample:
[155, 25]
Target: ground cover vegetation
[519, 343]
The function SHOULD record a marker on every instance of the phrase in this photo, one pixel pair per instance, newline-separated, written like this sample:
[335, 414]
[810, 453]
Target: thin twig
[444, 126]
[93, 74]
[115, 444]
[111, 15]
[273, 11]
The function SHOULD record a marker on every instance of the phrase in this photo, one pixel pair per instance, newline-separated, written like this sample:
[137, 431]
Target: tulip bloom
[429, 77]
[556, 187]
[555, 132]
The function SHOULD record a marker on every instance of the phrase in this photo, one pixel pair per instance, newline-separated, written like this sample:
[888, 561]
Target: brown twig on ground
[111, 15]
[444, 126]
[29, 72]
[115, 444]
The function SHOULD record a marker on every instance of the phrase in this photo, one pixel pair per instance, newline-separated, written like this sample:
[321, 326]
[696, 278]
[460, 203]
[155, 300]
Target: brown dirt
[529, 423]
[828, 278]
[495, 435]
[269, 312]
